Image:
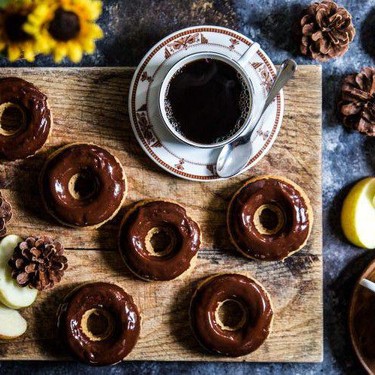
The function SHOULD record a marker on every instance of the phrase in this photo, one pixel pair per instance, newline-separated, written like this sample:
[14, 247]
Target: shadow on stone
[369, 148]
[331, 86]
[282, 28]
[136, 26]
[368, 33]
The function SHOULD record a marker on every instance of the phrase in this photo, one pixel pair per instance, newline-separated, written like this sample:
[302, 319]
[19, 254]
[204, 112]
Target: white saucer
[174, 156]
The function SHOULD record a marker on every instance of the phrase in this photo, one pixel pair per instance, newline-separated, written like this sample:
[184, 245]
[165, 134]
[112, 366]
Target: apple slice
[11, 294]
[12, 324]
[358, 214]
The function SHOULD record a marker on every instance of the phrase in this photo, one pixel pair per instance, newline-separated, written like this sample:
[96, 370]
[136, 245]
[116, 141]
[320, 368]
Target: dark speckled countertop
[132, 27]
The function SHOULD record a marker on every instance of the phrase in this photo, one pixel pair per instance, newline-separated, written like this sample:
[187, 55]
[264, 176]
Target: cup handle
[250, 52]
[368, 284]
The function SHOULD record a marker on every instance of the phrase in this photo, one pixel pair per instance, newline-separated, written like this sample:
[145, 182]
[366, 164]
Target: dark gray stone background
[132, 27]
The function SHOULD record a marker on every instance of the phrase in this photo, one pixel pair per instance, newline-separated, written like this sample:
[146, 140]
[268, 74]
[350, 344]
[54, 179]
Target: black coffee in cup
[207, 101]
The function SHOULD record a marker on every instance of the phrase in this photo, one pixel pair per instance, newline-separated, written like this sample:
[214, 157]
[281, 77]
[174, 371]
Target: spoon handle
[368, 284]
[285, 73]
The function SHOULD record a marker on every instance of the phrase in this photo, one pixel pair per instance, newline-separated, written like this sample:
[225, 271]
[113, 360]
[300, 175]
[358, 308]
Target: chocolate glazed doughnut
[269, 218]
[83, 185]
[231, 314]
[158, 240]
[26, 101]
[99, 322]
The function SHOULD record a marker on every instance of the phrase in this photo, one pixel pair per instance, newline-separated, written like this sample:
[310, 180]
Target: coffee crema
[207, 101]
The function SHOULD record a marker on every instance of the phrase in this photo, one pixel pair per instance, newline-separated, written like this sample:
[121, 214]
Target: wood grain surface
[90, 104]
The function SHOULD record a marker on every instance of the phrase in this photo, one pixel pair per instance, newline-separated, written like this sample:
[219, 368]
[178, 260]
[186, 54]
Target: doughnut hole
[98, 324]
[231, 315]
[269, 219]
[84, 185]
[161, 241]
[12, 119]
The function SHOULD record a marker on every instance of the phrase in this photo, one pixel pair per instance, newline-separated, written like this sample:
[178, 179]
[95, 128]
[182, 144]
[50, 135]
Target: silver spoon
[368, 284]
[234, 156]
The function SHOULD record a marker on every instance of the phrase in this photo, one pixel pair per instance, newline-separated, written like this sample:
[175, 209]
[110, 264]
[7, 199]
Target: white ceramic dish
[176, 157]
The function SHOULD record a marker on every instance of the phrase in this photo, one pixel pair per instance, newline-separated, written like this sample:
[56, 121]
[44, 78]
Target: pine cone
[38, 262]
[358, 101]
[327, 30]
[5, 215]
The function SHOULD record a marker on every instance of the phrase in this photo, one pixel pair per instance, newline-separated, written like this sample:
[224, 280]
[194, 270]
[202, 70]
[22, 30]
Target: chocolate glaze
[250, 295]
[115, 301]
[107, 176]
[29, 139]
[246, 236]
[158, 214]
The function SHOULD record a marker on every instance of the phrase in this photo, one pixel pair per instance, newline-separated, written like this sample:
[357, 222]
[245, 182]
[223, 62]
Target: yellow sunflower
[66, 27]
[14, 41]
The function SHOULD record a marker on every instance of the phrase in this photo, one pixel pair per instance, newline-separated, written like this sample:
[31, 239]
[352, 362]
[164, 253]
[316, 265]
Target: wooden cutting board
[91, 105]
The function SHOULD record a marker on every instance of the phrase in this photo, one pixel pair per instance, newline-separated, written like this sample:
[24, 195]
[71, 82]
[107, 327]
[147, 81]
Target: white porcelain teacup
[238, 66]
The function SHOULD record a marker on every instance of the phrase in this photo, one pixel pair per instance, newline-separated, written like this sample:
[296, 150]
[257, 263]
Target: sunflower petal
[59, 52]
[14, 53]
[88, 46]
[75, 52]
[95, 31]
[29, 54]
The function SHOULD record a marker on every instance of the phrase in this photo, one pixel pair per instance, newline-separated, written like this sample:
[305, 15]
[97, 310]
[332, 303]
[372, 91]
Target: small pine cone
[357, 105]
[327, 30]
[5, 215]
[38, 262]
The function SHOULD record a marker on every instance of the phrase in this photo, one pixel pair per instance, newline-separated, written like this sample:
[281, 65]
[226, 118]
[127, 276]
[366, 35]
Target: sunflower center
[13, 27]
[65, 25]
